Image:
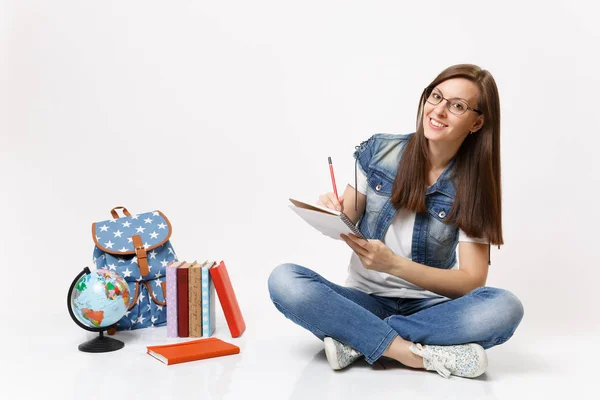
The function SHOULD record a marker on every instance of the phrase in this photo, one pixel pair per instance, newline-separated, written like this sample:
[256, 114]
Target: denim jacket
[434, 241]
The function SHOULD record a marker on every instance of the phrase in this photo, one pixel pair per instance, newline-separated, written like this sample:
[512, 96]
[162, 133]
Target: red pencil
[333, 178]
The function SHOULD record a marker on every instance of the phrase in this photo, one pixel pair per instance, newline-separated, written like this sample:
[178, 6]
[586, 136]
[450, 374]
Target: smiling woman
[417, 198]
[456, 130]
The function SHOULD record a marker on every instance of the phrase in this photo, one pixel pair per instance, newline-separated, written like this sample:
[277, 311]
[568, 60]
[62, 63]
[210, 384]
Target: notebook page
[315, 207]
[328, 224]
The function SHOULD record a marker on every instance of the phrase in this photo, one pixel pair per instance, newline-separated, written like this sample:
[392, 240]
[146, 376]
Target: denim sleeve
[363, 153]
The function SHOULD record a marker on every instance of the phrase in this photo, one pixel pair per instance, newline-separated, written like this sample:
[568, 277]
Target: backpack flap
[133, 235]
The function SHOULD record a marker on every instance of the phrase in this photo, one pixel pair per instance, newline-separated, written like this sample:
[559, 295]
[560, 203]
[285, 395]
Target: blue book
[208, 301]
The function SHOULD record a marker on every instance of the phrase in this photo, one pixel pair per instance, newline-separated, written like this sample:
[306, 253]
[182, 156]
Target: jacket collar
[444, 183]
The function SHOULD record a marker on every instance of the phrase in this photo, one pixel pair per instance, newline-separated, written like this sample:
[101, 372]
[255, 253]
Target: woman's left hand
[373, 253]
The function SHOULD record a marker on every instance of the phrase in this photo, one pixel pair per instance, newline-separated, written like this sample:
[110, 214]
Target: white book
[331, 223]
[208, 301]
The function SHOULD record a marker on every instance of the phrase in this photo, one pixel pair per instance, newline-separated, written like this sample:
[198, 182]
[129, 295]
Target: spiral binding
[351, 225]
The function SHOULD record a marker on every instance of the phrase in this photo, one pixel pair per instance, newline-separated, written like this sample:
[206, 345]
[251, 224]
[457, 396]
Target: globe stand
[100, 344]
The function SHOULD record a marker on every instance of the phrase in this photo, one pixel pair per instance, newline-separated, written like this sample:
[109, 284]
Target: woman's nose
[440, 109]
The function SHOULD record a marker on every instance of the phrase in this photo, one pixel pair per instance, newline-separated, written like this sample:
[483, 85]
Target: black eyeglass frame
[448, 101]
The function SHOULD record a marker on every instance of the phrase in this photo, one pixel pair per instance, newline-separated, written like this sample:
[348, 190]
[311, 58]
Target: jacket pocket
[439, 230]
[380, 183]
[378, 194]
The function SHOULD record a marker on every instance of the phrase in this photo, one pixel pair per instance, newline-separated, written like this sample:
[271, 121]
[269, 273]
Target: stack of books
[191, 288]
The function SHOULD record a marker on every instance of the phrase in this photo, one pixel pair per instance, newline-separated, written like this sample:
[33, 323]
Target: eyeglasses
[455, 106]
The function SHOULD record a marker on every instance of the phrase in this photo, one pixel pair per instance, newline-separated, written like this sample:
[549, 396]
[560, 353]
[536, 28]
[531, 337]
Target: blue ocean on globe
[100, 298]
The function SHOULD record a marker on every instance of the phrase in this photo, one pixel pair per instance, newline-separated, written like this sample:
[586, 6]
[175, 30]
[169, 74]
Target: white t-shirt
[399, 239]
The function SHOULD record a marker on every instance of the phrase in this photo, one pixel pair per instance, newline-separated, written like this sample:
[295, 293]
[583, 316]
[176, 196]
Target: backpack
[138, 248]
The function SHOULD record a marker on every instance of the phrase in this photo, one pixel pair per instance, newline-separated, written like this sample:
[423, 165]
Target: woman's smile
[435, 124]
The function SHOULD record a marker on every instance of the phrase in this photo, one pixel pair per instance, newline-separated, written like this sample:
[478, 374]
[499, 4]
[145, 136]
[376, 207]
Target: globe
[96, 301]
[100, 298]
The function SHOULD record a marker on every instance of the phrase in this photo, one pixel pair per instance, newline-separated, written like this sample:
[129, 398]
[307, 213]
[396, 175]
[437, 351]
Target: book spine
[228, 300]
[211, 305]
[208, 304]
[182, 302]
[172, 300]
[194, 302]
[200, 305]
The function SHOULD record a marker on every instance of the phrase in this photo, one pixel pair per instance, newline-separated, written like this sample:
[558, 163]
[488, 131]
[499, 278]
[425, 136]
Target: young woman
[417, 197]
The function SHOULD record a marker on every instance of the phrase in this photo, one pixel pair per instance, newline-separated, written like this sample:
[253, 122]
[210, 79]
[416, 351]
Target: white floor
[279, 360]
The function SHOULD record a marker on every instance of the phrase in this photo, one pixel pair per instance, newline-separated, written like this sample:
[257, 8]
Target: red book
[191, 351]
[228, 300]
[182, 300]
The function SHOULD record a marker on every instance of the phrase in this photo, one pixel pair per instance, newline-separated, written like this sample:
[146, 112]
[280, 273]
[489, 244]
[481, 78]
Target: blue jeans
[369, 323]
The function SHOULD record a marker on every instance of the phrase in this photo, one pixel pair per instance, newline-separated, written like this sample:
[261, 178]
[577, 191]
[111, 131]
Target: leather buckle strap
[142, 257]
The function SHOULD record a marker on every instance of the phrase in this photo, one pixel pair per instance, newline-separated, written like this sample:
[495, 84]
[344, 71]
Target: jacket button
[442, 214]
[378, 187]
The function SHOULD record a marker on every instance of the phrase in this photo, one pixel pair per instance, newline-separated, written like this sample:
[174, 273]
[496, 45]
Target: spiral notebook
[331, 223]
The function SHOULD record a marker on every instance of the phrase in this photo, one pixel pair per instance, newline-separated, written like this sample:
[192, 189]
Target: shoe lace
[349, 351]
[354, 353]
[439, 360]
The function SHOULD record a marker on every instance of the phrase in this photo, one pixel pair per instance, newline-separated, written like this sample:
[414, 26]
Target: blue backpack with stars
[138, 248]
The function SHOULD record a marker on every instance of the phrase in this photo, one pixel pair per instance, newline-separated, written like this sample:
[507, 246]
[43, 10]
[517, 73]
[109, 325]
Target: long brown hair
[477, 208]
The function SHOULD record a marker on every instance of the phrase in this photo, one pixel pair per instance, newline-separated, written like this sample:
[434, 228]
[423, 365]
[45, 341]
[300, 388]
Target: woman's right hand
[329, 200]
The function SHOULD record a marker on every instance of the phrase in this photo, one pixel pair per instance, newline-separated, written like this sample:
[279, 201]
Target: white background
[216, 112]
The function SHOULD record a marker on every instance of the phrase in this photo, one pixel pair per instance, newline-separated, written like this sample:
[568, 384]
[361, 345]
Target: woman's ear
[477, 124]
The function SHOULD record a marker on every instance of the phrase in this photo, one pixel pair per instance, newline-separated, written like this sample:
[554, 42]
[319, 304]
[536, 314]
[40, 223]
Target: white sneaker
[466, 360]
[338, 354]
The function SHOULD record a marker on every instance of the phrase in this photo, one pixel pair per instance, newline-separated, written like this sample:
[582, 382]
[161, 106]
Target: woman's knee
[506, 308]
[283, 282]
